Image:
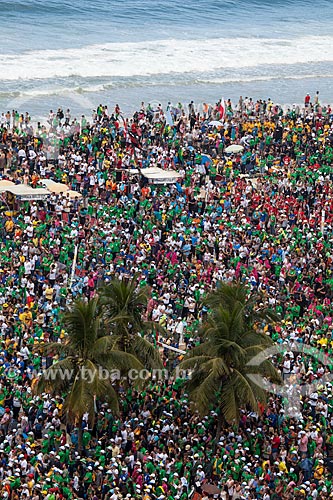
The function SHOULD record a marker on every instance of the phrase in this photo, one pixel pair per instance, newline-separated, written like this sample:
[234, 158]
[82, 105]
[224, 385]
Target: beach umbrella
[211, 489]
[215, 123]
[74, 194]
[234, 148]
[57, 187]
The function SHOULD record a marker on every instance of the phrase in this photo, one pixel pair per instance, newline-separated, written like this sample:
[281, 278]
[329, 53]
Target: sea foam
[164, 57]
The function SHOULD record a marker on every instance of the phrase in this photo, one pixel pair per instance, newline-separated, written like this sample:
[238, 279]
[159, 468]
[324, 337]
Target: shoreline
[298, 109]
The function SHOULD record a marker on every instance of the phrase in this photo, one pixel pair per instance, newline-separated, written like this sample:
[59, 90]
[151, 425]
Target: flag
[168, 118]
[134, 140]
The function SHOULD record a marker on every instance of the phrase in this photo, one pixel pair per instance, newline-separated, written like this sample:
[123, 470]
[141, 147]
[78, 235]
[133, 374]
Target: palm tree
[87, 359]
[227, 295]
[220, 376]
[124, 306]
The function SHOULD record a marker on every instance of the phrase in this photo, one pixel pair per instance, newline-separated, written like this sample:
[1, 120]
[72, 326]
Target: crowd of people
[262, 215]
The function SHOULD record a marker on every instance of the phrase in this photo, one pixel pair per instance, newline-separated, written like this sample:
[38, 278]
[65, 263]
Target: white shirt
[25, 352]
[27, 267]
[286, 366]
[180, 327]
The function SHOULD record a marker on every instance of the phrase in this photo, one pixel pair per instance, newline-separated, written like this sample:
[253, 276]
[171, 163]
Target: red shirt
[276, 441]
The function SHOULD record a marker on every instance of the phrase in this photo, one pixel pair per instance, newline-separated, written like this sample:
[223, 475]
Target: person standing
[316, 100]
[307, 100]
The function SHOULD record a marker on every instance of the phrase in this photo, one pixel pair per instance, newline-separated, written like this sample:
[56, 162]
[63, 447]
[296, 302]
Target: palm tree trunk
[219, 427]
[220, 422]
[80, 435]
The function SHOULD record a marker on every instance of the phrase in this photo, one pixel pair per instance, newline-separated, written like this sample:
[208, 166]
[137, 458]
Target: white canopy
[54, 187]
[5, 184]
[24, 192]
[157, 175]
[46, 182]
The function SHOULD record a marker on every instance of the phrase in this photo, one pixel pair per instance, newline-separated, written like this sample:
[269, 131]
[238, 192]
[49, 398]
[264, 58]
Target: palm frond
[194, 362]
[221, 374]
[57, 378]
[100, 386]
[145, 352]
[121, 296]
[55, 348]
[259, 393]
[82, 325]
[110, 396]
[89, 359]
[266, 370]
[153, 326]
[255, 337]
[203, 394]
[229, 404]
[230, 295]
[103, 345]
[243, 389]
[80, 399]
[119, 360]
[199, 350]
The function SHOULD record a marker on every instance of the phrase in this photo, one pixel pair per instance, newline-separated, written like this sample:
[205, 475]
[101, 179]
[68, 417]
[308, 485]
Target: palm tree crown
[124, 307]
[227, 295]
[85, 363]
[220, 371]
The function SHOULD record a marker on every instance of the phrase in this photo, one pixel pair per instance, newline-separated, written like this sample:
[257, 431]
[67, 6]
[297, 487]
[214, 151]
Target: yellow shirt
[9, 225]
[283, 467]
[318, 472]
[49, 293]
[25, 317]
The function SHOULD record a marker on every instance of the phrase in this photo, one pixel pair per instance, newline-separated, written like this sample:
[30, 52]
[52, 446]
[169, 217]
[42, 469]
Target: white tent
[24, 192]
[54, 187]
[5, 184]
[157, 175]
[46, 182]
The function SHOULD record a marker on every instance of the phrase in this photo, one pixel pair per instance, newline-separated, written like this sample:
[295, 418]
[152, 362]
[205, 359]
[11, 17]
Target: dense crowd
[262, 215]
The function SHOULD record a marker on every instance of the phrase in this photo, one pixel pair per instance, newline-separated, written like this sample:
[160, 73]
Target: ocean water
[80, 53]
